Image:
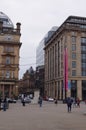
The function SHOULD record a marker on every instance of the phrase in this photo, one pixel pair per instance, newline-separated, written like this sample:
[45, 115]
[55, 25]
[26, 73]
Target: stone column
[10, 91]
[79, 89]
[53, 89]
[60, 89]
[57, 88]
[3, 91]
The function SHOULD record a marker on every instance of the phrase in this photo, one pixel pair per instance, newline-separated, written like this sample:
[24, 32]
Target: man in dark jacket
[0, 103]
[69, 104]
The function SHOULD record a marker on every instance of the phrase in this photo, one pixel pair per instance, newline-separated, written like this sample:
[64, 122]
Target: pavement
[48, 117]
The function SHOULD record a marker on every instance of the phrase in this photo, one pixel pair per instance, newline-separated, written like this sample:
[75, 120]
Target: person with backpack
[69, 104]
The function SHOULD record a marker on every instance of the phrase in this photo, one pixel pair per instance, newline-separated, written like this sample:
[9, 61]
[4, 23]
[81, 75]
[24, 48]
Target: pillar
[3, 91]
[68, 93]
[60, 90]
[10, 91]
[79, 89]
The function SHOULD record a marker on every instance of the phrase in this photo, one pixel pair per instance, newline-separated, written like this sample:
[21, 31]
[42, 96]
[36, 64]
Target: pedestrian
[4, 104]
[74, 102]
[40, 101]
[23, 101]
[56, 101]
[78, 102]
[69, 104]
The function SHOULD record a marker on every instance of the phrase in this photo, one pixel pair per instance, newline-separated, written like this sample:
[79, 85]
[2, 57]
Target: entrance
[83, 89]
[74, 89]
[6, 90]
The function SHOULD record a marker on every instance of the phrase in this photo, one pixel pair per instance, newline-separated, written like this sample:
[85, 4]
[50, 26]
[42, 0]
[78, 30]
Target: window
[73, 64]
[73, 72]
[83, 65]
[73, 33]
[9, 49]
[83, 40]
[7, 74]
[83, 73]
[73, 39]
[73, 55]
[7, 60]
[83, 48]
[73, 47]
[83, 56]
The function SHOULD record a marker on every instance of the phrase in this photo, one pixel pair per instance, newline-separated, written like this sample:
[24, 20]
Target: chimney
[1, 26]
[18, 27]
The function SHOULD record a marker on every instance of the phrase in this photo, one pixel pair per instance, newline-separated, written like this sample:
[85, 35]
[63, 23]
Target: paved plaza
[48, 117]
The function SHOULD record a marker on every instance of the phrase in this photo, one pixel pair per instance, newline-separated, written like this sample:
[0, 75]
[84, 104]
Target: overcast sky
[37, 17]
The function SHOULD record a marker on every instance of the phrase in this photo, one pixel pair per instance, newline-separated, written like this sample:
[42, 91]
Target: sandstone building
[26, 85]
[70, 36]
[9, 56]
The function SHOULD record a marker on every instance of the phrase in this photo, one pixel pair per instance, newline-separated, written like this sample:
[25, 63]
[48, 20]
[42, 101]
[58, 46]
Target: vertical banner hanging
[69, 84]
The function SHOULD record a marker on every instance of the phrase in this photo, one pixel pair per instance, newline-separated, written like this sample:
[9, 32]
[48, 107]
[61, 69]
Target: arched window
[7, 74]
[7, 60]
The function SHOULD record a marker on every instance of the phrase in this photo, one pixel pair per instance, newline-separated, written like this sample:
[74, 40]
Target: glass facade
[40, 54]
[40, 48]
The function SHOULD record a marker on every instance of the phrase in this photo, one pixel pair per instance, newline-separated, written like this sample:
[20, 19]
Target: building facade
[26, 85]
[40, 67]
[66, 49]
[40, 79]
[9, 56]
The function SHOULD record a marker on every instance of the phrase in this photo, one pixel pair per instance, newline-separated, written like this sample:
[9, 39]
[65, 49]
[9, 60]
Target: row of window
[78, 20]
[74, 73]
[8, 49]
[83, 39]
[8, 74]
[77, 25]
[83, 56]
[8, 60]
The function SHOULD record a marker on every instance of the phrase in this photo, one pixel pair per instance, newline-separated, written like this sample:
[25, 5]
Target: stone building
[9, 56]
[26, 85]
[68, 42]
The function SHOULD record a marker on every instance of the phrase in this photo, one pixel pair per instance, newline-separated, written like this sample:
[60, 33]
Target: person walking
[69, 104]
[56, 101]
[74, 102]
[23, 101]
[40, 101]
[78, 102]
[4, 104]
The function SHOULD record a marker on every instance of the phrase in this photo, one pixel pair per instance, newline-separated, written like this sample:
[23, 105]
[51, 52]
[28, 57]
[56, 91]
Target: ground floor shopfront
[76, 88]
[8, 89]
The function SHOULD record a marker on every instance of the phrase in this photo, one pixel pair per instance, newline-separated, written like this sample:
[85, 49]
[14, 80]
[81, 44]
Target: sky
[37, 17]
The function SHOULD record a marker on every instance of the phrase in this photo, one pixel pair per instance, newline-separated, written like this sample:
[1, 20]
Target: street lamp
[16, 92]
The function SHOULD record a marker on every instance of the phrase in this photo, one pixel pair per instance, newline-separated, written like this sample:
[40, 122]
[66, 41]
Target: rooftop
[6, 20]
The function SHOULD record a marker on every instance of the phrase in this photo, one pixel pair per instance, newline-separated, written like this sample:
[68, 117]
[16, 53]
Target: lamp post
[16, 92]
